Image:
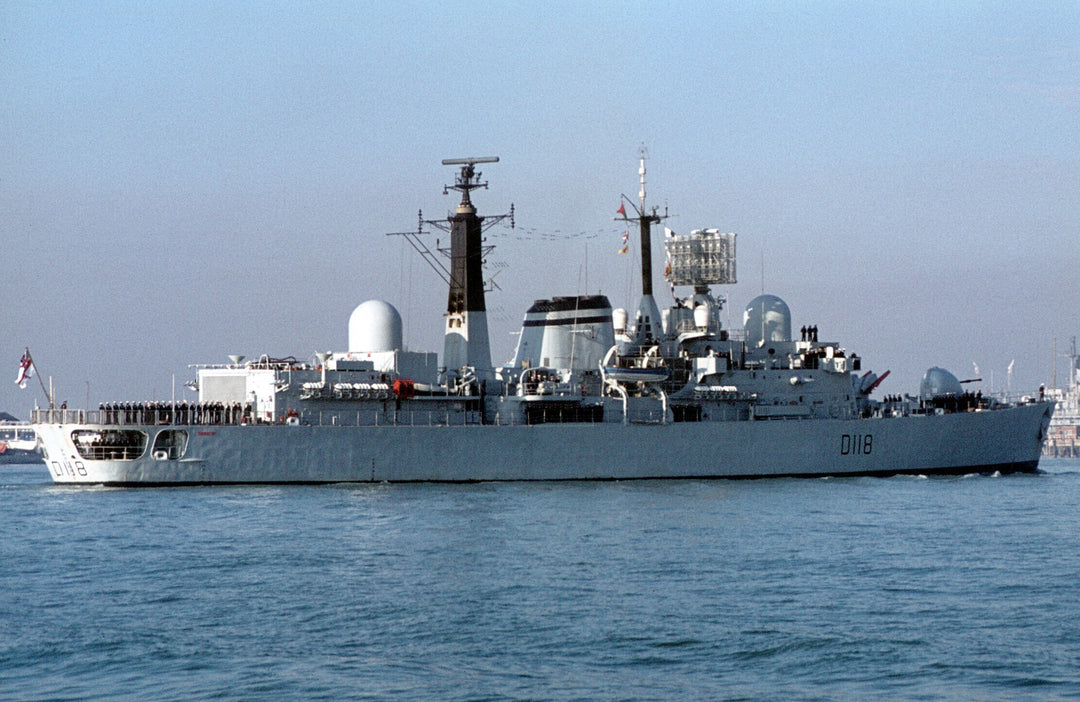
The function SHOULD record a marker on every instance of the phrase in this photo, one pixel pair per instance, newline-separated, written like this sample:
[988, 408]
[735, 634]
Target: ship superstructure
[590, 393]
[1063, 439]
[18, 441]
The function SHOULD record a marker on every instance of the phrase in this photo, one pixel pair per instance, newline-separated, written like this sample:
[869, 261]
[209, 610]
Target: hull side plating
[1004, 440]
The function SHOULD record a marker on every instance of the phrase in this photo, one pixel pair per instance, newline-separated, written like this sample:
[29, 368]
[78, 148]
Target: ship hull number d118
[856, 444]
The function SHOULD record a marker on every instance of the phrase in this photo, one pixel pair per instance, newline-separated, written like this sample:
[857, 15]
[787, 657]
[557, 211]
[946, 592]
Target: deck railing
[374, 417]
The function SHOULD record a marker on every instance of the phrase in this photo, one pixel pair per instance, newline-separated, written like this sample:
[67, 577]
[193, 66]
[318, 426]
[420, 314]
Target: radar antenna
[469, 178]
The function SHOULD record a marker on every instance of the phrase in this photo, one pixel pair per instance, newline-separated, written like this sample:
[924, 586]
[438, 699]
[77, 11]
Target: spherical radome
[767, 318]
[374, 326]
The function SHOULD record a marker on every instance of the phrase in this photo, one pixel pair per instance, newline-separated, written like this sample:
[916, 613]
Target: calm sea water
[835, 589]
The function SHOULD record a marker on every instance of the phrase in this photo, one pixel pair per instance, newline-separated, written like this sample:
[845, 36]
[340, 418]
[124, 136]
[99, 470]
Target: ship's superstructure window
[170, 445]
[109, 445]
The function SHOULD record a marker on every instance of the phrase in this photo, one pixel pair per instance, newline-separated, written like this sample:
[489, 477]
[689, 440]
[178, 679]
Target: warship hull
[1005, 440]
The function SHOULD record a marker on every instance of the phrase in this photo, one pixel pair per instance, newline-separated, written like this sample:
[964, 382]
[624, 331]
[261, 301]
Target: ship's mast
[1074, 367]
[647, 322]
[466, 342]
[645, 222]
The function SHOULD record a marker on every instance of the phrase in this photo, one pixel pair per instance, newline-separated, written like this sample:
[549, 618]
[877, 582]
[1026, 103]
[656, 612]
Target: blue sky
[182, 181]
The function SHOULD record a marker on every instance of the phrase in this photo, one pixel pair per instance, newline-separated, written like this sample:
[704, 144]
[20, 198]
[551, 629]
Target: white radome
[374, 326]
[767, 318]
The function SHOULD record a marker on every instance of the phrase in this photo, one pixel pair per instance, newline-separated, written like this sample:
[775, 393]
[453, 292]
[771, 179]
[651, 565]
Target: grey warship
[592, 393]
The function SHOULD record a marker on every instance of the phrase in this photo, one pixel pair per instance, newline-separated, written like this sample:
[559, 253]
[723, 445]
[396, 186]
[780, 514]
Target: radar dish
[704, 257]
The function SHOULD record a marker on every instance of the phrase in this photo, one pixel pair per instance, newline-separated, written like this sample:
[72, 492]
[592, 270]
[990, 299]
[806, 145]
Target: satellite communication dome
[374, 326]
[701, 316]
[938, 382]
[619, 319]
[767, 318]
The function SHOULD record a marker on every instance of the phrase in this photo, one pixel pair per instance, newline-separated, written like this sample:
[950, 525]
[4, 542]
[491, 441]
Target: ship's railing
[162, 414]
[373, 417]
[65, 416]
[379, 418]
[438, 416]
[441, 417]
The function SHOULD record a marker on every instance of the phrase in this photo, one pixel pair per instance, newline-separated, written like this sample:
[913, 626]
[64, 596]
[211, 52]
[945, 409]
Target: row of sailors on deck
[175, 413]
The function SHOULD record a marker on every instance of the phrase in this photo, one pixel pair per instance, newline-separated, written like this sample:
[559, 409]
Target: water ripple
[938, 589]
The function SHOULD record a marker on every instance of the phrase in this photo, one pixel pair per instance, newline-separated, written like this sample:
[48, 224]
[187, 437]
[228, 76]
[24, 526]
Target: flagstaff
[27, 369]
